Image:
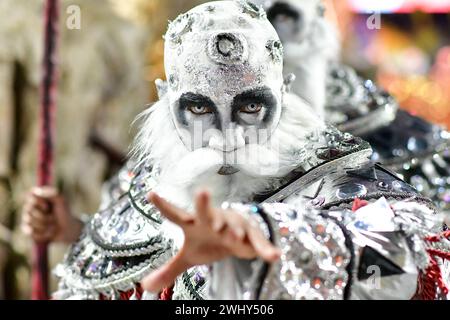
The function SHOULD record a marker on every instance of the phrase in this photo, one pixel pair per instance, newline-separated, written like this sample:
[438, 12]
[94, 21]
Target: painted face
[228, 124]
[223, 63]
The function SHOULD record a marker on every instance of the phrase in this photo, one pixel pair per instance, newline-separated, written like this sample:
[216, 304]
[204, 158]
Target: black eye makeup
[251, 108]
[199, 109]
[194, 105]
[259, 104]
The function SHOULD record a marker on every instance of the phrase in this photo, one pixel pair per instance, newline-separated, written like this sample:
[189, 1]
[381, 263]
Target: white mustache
[254, 160]
[193, 165]
[259, 161]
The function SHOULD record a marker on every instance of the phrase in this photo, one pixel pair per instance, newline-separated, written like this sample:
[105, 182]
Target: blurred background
[107, 69]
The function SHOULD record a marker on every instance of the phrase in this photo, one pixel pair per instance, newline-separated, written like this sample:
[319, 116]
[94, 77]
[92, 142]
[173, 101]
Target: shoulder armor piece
[355, 105]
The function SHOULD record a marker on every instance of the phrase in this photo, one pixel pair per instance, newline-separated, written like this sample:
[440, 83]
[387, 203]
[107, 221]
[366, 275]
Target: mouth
[227, 170]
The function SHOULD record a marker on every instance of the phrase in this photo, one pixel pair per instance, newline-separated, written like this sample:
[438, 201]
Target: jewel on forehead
[173, 81]
[275, 50]
[210, 9]
[179, 27]
[228, 48]
[225, 46]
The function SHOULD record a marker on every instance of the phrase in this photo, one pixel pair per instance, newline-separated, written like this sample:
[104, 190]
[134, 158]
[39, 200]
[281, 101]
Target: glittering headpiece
[222, 47]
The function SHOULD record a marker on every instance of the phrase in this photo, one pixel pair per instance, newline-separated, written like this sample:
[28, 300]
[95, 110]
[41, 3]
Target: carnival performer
[237, 189]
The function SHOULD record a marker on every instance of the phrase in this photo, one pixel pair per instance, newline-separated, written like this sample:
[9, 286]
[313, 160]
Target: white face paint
[223, 63]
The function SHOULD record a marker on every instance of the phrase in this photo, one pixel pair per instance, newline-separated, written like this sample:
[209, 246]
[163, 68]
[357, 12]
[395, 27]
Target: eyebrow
[261, 95]
[189, 98]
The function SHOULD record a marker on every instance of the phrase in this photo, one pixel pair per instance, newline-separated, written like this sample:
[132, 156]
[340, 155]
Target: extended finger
[204, 210]
[262, 246]
[166, 275]
[243, 250]
[237, 247]
[170, 211]
[236, 224]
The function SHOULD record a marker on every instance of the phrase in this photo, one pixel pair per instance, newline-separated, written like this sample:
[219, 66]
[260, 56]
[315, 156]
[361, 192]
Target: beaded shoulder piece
[121, 244]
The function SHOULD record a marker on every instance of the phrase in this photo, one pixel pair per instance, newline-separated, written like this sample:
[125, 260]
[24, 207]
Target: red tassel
[431, 280]
[126, 295]
[166, 294]
[437, 238]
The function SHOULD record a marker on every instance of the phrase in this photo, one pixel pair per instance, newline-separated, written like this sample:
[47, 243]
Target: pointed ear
[287, 83]
[161, 87]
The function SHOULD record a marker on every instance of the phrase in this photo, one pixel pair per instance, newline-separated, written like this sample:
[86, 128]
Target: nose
[228, 141]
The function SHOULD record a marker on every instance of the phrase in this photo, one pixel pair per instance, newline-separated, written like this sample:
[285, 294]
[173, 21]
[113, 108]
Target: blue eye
[198, 109]
[251, 108]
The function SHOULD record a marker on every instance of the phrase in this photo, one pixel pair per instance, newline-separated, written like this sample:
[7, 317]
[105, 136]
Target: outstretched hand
[210, 235]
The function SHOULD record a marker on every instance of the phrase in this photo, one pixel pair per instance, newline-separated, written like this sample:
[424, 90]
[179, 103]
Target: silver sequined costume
[413, 147]
[329, 252]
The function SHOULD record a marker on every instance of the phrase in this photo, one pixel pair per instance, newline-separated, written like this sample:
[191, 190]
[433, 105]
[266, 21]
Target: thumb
[165, 276]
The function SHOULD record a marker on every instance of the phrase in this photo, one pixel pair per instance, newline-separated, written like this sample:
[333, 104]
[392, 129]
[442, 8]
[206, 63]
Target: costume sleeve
[380, 251]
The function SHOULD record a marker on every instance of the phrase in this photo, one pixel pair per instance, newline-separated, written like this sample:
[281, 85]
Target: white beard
[184, 172]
